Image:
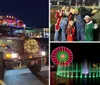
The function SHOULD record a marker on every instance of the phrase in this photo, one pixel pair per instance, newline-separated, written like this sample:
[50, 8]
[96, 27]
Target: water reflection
[79, 81]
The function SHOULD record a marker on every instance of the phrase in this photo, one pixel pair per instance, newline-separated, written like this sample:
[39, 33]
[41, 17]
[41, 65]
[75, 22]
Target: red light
[62, 56]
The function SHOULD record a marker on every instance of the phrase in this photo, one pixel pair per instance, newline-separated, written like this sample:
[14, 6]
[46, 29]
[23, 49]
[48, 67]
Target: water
[79, 81]
[78, 74]
[79, 71]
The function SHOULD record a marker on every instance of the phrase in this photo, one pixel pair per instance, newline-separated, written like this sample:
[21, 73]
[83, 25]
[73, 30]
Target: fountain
[79, 70]
[76, 70]
[63, 57]
[85, 69]
[90, 70]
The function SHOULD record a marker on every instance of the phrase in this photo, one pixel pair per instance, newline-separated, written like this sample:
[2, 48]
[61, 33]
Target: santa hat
[87, 17]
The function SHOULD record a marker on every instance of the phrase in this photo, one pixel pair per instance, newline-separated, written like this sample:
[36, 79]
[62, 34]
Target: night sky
[34, 13]
[82, 51]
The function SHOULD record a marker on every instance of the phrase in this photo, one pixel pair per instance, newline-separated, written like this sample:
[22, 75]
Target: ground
[25, 77]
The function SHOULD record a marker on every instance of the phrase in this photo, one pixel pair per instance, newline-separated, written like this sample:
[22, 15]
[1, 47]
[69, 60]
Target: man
[79, 23]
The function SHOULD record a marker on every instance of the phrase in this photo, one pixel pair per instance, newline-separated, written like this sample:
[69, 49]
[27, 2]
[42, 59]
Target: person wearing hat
[89, 26]
[79, 23]
[79, 17]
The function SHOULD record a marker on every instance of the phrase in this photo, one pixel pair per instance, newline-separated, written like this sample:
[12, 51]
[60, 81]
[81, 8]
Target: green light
[69, 71]
[64, 71]
[93, 76]
[64, 75]
[90, 70]
[80, 76]
[85, 76]
[81, 71]
[59, 70]
[76, 70]
[97, 72]
[89, 76]
[71, 76]
[72, 71]
[58, 73]
[64, 58]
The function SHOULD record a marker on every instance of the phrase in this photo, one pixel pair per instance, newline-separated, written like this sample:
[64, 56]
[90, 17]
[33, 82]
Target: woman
[64, 21]
[70, 30]
[59, 14]
[89, 26]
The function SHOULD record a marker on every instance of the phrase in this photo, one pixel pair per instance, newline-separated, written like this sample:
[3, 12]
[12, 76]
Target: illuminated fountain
[85, 69]
[62, 57]
[77, 70]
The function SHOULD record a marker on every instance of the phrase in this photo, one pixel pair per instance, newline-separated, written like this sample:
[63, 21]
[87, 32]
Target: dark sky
[82, 51]
[32, 12]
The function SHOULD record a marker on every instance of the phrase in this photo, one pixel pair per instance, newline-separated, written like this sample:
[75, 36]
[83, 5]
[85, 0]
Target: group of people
[75, 24]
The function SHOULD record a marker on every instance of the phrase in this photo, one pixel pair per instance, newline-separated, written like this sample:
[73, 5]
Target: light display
[85, 69]
[62, 56]
[31, 46]
[77, 70]
[11, 21]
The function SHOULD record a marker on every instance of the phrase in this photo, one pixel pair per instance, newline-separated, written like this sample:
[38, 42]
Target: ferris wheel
[62, 56]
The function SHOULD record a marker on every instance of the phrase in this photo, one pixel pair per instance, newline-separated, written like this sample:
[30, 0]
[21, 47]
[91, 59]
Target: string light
[31, 46]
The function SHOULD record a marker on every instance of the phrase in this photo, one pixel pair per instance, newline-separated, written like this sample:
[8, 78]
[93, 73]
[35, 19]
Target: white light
[24, 25]
[12, 17]
[43, 53]
[95, 26]
[7, 16]
[14, 55]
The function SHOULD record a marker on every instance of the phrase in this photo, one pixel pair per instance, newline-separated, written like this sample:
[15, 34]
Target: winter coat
[89, 31]
[58, 16]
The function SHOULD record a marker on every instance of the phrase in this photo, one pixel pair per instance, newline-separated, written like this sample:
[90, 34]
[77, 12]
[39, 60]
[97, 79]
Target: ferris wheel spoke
[59, 48]
[62, 56]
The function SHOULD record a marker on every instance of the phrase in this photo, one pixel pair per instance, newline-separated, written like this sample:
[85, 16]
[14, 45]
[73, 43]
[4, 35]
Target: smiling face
[67, 8]
[87, 20]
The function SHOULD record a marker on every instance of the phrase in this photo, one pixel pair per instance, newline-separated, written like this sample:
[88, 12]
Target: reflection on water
[78, 81]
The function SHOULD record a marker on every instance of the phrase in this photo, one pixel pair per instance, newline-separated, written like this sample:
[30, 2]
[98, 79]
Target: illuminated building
[37, 32]
[11, 25]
